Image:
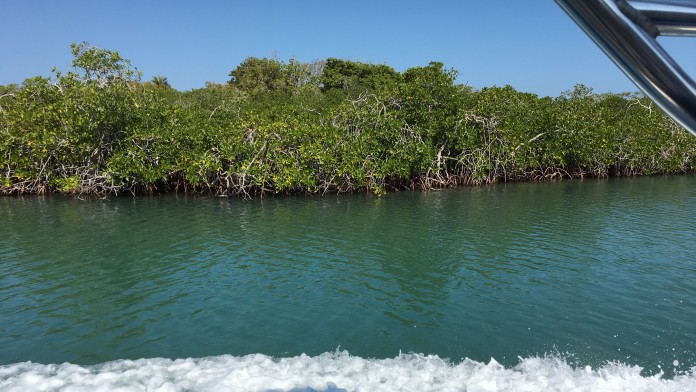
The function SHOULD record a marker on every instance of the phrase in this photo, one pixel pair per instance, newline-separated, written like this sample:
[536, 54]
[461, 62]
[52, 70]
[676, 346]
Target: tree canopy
[325, 126]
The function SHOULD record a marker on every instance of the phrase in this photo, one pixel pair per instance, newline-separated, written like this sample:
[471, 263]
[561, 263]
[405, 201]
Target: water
[578, 284]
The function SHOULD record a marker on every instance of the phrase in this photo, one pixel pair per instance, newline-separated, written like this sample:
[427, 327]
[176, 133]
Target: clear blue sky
[530, 44]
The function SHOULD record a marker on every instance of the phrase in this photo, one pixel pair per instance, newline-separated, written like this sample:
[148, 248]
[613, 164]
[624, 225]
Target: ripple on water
[601, 269]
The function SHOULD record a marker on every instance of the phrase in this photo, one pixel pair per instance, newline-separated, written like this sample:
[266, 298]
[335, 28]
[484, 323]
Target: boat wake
[337, 371]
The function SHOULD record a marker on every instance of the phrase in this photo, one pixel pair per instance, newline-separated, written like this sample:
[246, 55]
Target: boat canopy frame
[627, 32]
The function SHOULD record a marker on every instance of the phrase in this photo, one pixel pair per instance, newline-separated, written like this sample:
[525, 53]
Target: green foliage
[431, 100]
[333, 126]
[103, 66]
[160, 82]
[67, 184]
[8, 89]
[256, 75]
[356, 77]
[260, 75]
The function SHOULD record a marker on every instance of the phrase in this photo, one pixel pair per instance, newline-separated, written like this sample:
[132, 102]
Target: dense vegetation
[327, 126]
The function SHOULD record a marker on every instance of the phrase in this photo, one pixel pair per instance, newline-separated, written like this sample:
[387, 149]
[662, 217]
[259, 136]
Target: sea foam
[338, 371]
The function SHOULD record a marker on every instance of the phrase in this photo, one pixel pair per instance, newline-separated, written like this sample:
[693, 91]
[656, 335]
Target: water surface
[587, 271]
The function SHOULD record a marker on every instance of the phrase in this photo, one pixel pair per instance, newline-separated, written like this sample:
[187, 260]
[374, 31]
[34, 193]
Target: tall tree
[352, 75]
[160, 82]
[260, 75]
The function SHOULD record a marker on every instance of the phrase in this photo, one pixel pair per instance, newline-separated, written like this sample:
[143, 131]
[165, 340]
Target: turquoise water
[588, 273]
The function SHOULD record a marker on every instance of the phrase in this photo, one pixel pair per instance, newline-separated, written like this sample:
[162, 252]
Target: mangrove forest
[328, 126]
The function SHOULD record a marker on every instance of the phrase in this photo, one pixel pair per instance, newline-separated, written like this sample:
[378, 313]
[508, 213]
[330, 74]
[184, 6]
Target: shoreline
[421, 184]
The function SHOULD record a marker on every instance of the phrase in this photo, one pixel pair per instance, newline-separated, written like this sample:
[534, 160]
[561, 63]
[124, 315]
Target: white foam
[337, 371]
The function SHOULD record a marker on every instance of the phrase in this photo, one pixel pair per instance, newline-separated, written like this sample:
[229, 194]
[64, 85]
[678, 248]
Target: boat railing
[627, 32]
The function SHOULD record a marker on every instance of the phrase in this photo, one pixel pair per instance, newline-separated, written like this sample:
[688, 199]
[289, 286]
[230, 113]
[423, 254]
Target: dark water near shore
[590, 271]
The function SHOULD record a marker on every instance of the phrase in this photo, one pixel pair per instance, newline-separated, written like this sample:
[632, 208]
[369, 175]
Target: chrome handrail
[627, 30]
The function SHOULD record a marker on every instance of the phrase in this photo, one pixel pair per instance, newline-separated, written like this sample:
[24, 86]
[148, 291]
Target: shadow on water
[595, 271]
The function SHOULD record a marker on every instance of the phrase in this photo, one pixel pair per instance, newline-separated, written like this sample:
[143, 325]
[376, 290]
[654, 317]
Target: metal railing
[627, 31]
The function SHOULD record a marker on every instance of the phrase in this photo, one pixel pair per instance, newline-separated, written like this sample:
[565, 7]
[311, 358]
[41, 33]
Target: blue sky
[532, 44]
